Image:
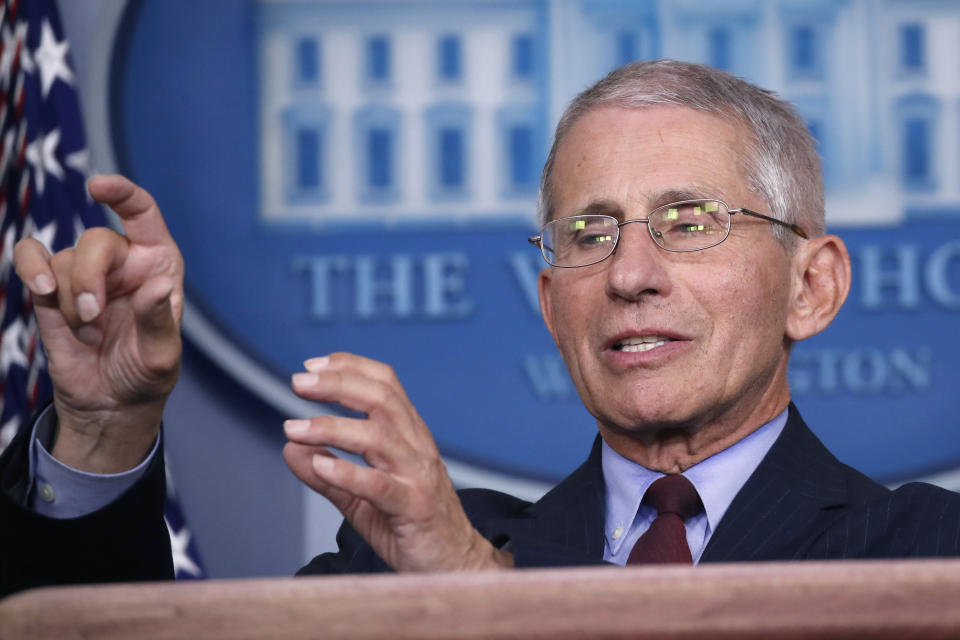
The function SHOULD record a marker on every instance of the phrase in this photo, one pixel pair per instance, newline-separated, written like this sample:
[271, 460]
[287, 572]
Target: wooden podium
[882, 599]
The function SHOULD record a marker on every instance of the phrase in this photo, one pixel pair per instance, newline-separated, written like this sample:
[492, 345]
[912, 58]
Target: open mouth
[639, 344]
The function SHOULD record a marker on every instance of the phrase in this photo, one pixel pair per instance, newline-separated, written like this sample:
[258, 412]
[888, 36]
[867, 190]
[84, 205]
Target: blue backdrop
[361, 176]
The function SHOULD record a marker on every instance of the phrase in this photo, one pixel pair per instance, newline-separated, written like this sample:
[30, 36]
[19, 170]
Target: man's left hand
[404, 504]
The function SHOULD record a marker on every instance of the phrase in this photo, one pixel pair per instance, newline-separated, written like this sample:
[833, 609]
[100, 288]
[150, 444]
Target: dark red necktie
[676, 500]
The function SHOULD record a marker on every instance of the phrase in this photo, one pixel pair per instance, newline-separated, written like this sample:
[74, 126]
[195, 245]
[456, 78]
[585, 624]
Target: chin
[640, 421]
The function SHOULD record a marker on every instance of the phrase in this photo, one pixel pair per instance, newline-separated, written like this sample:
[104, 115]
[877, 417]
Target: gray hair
[780, 162]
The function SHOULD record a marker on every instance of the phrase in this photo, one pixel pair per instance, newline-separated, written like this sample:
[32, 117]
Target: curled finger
[356, 364]
[32, 263]
[98, 252]
[385, 492]
[300, 460]
[379, 447]
[354, 391]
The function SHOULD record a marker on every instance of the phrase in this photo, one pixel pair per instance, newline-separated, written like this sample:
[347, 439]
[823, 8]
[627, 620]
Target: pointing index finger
[141, 217]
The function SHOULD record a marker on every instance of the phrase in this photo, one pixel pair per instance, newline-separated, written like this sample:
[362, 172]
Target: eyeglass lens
[682, 226]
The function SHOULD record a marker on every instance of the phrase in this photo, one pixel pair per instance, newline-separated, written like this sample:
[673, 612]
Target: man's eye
[593, 239]
[690, 228]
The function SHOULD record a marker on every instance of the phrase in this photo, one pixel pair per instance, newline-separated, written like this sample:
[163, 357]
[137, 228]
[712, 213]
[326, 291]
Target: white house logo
[362, 176]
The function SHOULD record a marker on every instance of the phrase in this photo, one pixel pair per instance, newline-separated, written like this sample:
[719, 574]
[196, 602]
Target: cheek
[570, 326]
[574, 316]
[571, 302]
[749, 310]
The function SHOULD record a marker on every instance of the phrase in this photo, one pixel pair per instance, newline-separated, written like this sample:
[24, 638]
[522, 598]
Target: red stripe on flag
[20, 96]
[15, 65]
[24, 194]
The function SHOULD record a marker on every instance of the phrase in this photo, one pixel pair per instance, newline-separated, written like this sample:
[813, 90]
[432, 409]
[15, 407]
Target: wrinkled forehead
[647, 157]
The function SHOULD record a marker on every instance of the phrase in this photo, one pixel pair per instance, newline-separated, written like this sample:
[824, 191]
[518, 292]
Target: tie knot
[674, 494]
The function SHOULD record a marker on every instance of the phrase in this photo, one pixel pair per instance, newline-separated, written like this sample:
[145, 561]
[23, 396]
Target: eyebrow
[614, 210]
[601, 208]
[679, 195]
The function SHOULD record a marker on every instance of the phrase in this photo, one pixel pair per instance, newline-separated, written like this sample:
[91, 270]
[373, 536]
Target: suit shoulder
[918, 506]
[481, 504]
[926, 496]
[915, 520]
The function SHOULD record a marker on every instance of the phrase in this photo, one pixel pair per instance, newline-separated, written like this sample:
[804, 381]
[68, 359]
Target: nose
[637, 268]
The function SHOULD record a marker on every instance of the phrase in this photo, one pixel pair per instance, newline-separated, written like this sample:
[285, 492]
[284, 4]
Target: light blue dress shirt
[717, 479]
[59, 491]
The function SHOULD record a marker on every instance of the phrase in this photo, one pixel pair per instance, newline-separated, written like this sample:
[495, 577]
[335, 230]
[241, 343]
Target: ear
[545, 293]
[821, 282]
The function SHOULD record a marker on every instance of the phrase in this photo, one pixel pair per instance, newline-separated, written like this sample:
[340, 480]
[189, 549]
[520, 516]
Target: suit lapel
[794, 492]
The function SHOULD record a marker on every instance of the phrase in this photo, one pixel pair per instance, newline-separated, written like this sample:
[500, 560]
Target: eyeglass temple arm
[797, 229]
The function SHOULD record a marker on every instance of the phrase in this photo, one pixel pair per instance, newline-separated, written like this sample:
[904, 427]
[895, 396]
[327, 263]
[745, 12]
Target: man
[683, 221]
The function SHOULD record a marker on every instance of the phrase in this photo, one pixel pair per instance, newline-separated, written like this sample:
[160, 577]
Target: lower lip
[653, 356]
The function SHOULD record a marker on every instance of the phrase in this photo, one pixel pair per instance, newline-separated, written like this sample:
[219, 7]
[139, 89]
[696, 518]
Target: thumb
[158, 332]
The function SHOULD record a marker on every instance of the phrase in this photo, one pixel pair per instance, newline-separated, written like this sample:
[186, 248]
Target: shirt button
[617, 533]
[46, 492]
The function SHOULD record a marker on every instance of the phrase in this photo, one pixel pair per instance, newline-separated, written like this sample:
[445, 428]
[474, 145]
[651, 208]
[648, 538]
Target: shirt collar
[717, 479]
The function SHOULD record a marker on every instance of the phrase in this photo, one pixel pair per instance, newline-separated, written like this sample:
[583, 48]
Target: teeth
[645, 346]
[638, 344]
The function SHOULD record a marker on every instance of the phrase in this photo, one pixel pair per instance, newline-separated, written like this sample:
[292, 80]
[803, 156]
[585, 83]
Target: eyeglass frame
[537, 240]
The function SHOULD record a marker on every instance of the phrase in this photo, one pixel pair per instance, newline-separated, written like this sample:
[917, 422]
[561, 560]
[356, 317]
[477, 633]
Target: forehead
[647, 157]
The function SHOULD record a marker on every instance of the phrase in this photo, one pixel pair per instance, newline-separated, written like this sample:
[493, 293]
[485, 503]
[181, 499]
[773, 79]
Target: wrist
[486, 556]
[105, 442]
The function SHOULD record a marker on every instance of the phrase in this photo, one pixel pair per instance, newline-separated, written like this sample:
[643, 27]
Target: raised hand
[403, 504]
[109, 313]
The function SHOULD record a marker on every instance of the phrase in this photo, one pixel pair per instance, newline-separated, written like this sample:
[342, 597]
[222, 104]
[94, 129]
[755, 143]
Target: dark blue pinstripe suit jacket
[800, 503]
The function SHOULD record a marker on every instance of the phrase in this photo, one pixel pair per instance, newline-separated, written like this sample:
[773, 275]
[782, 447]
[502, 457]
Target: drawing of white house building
[434, 110]
[392, 111]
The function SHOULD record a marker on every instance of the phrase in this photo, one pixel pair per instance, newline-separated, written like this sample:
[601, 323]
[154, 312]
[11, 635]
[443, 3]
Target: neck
[676, 448]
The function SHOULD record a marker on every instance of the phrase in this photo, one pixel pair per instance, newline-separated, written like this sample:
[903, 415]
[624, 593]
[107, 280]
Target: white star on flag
[51, 58]
[79, 161]
[7, 431]
[46, 235]
[42, 155]
[11, 349]
[179, 543]
[6, 255]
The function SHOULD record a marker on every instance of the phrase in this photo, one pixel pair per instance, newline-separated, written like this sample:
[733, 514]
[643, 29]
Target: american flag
[44, 165]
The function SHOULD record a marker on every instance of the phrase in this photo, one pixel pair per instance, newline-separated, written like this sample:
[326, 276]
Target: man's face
[715, 317]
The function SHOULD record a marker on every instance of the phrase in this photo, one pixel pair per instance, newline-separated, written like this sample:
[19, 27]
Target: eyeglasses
[690, 225]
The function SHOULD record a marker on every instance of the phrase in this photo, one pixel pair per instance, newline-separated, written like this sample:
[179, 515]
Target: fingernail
[43, 284]
[87, 307]
[304, 379]
[89, 335]
[322, 464]
[316, 364]
[296, 426]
